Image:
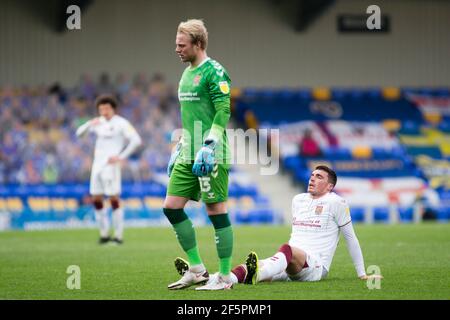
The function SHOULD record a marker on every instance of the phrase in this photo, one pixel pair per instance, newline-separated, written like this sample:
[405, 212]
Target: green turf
[414, 260]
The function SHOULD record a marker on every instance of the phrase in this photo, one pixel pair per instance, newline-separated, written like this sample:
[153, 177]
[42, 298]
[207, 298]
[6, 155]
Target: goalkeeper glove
[173, 158]
[205, 159]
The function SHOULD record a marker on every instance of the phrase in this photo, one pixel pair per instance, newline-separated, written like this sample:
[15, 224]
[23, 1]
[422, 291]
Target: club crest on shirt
[197, 79]
[223, 85]
[319, 209]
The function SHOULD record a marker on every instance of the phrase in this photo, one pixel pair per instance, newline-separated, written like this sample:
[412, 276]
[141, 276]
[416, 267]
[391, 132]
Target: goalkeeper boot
[252, 268]
[218, 282]
[188, 279]
[181, 265]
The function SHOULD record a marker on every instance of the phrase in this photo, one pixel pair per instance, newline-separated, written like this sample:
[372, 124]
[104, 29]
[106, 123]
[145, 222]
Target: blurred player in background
[116, 140]
[204, 95]
[318, 217]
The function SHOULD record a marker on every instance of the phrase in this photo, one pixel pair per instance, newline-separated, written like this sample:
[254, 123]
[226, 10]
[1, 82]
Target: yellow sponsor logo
[224, 87]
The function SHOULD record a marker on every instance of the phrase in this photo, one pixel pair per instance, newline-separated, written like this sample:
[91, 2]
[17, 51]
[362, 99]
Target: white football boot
[217, 283]
[189, 278]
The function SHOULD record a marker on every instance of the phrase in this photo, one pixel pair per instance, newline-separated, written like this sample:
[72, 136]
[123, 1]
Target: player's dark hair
[332, 177]
[106, 99]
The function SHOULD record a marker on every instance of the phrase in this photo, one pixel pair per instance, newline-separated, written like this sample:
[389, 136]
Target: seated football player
[319, 215]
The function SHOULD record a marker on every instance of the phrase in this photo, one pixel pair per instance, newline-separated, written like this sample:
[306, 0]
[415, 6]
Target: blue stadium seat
[268, 94]
[292, 162]
[442, 92]
[426, 91]
[241, 216]
[443, 214]
[444, 126]
[408, 91]
[304, 94]
[431, 151]
[374, 93]
[338, 93]
[337, 153]
[381, 214]
[250, 93]
[260, 216]
[406, 214]
[287, 94]
[5, 191]
[356, 94]
[357, 214]
[380, 153]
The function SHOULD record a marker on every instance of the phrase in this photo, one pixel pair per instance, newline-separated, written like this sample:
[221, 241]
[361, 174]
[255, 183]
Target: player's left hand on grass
[373, 276]
[205, 159]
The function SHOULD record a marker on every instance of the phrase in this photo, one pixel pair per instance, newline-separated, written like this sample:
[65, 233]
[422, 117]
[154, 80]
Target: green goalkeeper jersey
[204, 95]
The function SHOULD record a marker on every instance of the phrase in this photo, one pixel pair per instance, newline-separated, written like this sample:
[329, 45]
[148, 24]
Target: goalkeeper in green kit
[198, 168]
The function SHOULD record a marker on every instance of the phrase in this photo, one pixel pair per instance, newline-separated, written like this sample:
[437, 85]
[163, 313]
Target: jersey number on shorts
[205, 186]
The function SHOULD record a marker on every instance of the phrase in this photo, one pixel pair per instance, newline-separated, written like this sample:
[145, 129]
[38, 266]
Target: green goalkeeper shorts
[212, 188]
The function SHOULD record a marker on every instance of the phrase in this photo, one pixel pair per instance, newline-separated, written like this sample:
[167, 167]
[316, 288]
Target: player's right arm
[84, 128]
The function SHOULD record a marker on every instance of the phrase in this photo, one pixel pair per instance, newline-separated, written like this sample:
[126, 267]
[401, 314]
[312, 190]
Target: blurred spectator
[86, 88]
[308, 147]
[123, 85]
[104, 85]
[50, 174]
[57, 90]
[37, 125]
[429, 202]
[141, 82]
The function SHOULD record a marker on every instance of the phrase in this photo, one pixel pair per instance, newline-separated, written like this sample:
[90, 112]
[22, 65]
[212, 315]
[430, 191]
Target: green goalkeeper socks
[185, 233]
[224, 241]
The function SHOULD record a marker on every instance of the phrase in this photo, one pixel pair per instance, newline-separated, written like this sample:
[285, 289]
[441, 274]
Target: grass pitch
[414, 260]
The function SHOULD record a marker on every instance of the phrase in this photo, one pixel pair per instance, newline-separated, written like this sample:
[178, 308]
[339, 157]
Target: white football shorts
[314, 271]
[106, 181]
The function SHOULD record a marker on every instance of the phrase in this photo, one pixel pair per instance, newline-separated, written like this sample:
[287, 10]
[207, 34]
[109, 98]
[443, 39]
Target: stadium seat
[304, 94]
[442, 92]
[357, 214]
[338, 93]
[321, 93]
[286, 94]
[374, 93]
[241, 217]
[356, 94]
[381, 214]
[406, 214]
[443, 214]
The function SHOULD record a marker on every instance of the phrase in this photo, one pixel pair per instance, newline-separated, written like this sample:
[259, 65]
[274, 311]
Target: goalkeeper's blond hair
[196, 29]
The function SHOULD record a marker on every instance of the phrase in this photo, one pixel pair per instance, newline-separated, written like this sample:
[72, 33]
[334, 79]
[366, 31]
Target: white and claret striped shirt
[316, 224]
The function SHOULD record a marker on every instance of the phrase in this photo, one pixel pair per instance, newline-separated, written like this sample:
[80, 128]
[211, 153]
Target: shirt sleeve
[134, 140]
[342, 213]
[219, 91]
[83, 129]
[354, 248]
